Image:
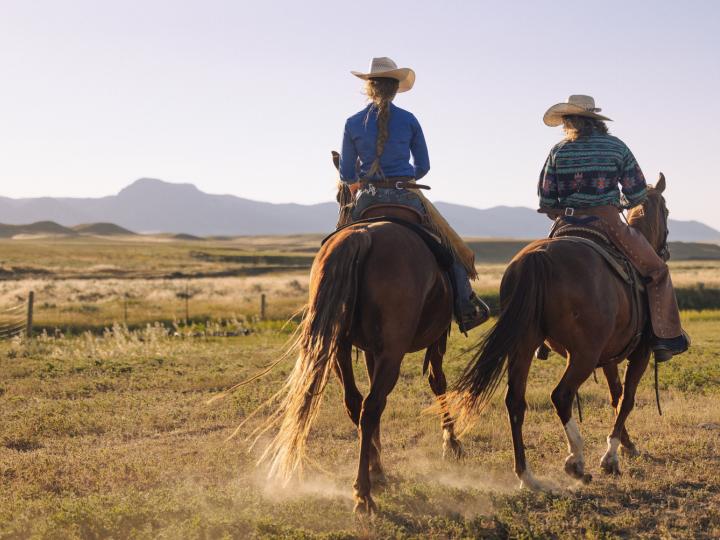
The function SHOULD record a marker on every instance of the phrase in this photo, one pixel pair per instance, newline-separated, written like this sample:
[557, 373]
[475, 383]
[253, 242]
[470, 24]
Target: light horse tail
[522, 300]
[327, 322]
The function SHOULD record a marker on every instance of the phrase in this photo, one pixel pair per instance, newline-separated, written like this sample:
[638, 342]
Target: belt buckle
[569, 211]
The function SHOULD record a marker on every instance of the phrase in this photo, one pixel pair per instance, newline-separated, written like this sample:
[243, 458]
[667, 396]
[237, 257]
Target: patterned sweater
[591, 171]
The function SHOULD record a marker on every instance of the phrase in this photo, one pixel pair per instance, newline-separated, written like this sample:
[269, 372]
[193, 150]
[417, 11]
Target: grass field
[91, 282]
[108, 434]
[111, 437]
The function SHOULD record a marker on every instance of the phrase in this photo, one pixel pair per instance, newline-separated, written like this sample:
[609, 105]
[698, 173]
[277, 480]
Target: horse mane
[345, 200]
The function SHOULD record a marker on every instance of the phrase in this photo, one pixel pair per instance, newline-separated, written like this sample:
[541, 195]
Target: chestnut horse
[566, 294]
[376, 286]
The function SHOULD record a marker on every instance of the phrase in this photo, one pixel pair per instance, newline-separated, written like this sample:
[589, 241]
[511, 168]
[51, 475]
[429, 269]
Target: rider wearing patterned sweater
[585, 174]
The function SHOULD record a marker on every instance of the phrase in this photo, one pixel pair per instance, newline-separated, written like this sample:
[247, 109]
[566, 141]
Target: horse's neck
[644, 227]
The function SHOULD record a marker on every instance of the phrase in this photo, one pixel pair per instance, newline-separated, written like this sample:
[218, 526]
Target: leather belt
[586, 210]
[403, 182]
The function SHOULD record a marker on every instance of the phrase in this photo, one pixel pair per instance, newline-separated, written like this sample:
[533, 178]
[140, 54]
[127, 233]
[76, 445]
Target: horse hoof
[364, 506]
[530, 486]
[453, 449]
[576, 469]
[611, 466]
[629, 451]
[378, 478]
[528, 481]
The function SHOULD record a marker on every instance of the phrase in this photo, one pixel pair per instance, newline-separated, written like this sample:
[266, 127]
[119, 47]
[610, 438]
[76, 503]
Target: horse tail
[327, 323]
[522, 299]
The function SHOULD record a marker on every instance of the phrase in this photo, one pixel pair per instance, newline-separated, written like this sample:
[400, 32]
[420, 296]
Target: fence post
[263, 306]
[125, 307]
[187, 304]
[29, 325]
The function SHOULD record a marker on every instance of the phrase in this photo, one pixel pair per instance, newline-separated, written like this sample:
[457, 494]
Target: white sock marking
[575, 442]
[611, 454]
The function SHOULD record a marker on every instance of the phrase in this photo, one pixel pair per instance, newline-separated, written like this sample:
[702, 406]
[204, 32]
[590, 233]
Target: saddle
[442, 255]
[595, 239]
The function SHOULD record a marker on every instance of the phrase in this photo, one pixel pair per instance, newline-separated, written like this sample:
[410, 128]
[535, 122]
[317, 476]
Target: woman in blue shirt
[378, 143]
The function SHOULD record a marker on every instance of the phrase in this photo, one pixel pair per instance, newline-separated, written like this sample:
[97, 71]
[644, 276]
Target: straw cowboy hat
[576, 105]
[385, 67]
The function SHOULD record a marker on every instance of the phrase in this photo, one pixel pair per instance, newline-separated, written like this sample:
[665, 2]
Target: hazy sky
[249, 98]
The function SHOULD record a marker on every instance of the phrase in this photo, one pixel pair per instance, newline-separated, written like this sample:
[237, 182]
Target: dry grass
[88, 282]
[85, 303]
[109, 436]
[689, 273]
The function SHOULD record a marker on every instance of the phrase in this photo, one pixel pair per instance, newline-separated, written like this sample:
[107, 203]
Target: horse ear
[336, 159]
[660, 186]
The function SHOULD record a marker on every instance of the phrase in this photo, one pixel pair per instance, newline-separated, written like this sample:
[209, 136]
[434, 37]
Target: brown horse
[376, 286]
[564, 293]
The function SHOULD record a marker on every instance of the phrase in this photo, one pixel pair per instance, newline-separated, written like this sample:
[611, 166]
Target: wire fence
[17, 320]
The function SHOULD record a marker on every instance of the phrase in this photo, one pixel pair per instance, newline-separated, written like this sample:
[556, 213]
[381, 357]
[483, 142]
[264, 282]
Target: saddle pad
[614, 264]
[442, 255]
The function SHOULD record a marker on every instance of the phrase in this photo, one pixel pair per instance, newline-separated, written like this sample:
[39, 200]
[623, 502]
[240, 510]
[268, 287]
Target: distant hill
[50, 228]
[150, 205]
[41, 228]
[687, 251]
[185, 236]
[102, 229]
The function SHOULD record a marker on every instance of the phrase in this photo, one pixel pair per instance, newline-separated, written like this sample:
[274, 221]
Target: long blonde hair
[381, 91]
[576, 126]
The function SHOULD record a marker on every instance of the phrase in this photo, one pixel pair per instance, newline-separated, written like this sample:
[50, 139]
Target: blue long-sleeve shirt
[405, 138]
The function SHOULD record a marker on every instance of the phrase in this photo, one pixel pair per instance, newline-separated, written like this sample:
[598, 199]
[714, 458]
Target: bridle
[664, 251]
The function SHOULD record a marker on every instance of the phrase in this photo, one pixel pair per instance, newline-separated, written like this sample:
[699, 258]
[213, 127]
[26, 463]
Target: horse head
[651, 218]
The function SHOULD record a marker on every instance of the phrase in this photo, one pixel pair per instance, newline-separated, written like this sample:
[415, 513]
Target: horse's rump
[401, 275]
[587, 290]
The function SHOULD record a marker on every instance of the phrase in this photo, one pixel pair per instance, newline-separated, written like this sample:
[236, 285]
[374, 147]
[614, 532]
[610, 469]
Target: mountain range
[151, 205]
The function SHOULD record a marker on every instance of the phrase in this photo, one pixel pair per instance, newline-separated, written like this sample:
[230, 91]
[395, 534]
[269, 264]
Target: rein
[664, 253]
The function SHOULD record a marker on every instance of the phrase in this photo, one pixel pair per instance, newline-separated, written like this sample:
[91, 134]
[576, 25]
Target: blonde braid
[381, 91]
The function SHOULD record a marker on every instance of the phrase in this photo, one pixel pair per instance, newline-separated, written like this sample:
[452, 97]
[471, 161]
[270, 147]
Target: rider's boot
[665, 348]
[470, 310]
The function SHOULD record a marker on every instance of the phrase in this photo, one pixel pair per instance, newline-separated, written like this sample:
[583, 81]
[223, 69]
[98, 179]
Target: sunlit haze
[249, 98]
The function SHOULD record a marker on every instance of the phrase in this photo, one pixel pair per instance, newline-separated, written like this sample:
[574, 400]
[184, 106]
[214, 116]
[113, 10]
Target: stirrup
[468, 321]
[663, 349]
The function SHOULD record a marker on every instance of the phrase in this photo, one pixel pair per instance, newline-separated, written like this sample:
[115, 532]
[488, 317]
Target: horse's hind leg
[518, 369]
[377, 471]
[353, 403]
[616, 390]
[438, 384]
[344, 370]
[636, 367]
[579, 368]
[385, 375]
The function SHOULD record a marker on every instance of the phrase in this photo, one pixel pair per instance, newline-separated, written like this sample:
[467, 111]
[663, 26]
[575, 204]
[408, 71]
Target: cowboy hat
[385, 67]
[578, 105]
